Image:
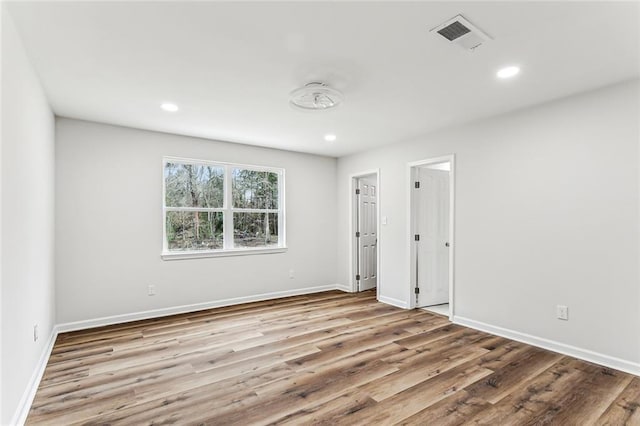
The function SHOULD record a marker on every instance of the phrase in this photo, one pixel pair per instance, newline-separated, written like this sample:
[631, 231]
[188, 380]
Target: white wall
[109, 224]
[27, 221]
[547, 213]
[2, 19]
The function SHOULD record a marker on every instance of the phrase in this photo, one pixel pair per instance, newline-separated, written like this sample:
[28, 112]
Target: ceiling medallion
[315, 96]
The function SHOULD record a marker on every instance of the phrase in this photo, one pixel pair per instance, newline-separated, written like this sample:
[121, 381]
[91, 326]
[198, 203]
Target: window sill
[234, 252]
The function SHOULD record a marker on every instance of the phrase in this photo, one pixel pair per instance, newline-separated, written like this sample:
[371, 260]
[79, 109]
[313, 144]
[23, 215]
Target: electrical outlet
[35, 333]
[151, 291]
[562, 312]
[292, 274]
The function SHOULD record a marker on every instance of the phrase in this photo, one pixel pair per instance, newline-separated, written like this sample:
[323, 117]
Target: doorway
[364, 231]
[431, 235]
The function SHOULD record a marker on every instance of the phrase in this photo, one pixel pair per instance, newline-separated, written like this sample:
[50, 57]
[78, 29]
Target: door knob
[446, 244]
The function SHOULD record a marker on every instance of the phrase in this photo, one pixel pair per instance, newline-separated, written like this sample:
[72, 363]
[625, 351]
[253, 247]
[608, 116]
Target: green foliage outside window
[196, 210]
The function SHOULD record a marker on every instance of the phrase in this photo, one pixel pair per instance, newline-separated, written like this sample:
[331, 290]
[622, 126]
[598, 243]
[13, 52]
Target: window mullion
[193, 209]
[255, 210]
[228, 214]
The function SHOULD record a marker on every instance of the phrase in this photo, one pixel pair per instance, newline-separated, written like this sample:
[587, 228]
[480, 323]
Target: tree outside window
[221, 207]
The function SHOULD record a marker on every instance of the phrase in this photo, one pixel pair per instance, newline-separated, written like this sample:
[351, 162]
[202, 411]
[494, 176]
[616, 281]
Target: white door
[366, 234]
[432, 226]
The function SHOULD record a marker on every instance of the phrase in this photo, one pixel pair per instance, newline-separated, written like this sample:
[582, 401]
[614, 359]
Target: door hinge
[416, 290]
[416, 184]
[416, 237]
[358, 277]
[358, 234]
[357, 191]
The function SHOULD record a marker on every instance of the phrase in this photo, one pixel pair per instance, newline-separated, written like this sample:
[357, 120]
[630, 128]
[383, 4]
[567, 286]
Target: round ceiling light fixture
[315, 96]
[330, 137]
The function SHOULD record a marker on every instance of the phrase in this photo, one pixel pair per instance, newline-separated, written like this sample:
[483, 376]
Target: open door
[366, 237]
[431, 229]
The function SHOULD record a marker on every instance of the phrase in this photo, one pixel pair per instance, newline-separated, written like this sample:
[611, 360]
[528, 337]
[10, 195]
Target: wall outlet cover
[562, 312]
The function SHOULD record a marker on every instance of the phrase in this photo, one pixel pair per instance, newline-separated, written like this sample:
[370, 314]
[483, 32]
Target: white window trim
[227, 210]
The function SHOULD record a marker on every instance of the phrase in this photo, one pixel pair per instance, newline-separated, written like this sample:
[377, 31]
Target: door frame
[353, 180]
[410, 226]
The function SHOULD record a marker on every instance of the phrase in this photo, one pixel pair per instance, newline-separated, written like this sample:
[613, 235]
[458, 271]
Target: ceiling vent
[462, 32]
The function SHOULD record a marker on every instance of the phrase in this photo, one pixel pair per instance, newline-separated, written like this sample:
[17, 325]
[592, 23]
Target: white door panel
[368, 240]
[432, 224]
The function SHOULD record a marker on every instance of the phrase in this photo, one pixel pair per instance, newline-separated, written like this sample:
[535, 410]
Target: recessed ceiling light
[329, 137]
[169, 107]
[508, 72]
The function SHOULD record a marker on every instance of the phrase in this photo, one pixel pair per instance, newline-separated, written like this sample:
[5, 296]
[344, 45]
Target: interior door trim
[409, 185]
[352, 185]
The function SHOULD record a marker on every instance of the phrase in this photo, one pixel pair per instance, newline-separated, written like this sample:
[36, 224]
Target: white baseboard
[345, 288]
[155, 313]
[584, 354]
[20, 416]
[394, 302]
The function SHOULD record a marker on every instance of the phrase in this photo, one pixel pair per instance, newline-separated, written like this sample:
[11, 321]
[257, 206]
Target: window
[215, 209]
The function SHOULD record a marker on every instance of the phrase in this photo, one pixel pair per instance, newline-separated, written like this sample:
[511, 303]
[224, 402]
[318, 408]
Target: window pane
[255, 229]
[254, 189]
[194, 230]
[193, 185]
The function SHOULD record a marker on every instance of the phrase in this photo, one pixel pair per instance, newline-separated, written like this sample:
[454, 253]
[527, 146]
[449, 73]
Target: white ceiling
[231, 66]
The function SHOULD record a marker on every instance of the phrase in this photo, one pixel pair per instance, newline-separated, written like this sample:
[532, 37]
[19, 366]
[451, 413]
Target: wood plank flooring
[328, 358]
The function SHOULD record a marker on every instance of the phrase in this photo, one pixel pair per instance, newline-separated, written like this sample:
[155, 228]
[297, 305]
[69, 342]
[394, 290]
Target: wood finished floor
[328, 358]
